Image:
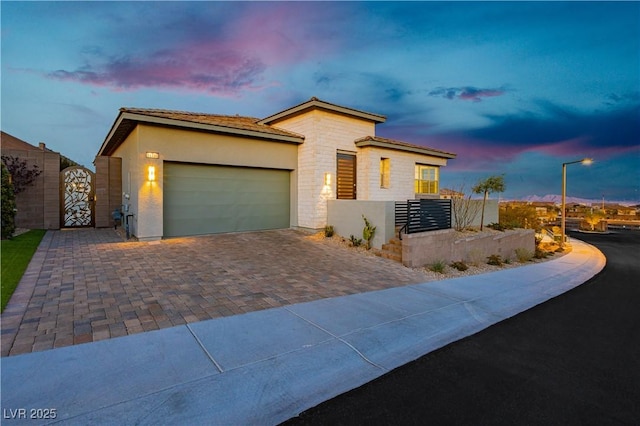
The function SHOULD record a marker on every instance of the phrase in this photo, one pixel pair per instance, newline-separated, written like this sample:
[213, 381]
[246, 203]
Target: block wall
[39, 204]
[448, 246]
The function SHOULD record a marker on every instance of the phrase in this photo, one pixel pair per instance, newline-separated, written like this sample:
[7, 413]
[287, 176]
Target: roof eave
[412, 149]
[316, 103]
[108, 147]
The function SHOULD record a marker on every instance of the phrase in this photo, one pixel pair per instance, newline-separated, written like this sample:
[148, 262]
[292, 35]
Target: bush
[459, 265]
[499, 226]
[355, 242]
[494, 260]
[438, 266]
[523, 255]
[8, 205]
[328, 231]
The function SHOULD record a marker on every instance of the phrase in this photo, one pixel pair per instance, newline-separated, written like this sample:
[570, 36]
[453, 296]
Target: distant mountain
[557, 199]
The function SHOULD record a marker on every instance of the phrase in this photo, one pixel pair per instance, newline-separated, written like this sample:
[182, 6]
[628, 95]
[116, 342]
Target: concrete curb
[267, 366]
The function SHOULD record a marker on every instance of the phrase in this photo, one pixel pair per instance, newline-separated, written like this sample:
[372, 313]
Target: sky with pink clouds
[512, 88]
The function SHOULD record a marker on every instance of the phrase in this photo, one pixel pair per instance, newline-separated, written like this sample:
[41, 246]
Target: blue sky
[514, 88]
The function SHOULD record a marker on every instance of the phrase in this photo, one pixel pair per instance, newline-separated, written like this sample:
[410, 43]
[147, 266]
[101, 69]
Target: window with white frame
[426, 179]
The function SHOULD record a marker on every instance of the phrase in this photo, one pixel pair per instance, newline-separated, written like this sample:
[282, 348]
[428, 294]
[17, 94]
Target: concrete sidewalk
[267, 366]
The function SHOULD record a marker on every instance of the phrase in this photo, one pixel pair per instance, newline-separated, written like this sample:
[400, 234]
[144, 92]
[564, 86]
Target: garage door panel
[200, 199]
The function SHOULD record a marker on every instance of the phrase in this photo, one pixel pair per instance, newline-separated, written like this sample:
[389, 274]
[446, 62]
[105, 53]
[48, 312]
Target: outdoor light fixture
[154, 155]
[585, 162]
[327, 179]
[151, 173]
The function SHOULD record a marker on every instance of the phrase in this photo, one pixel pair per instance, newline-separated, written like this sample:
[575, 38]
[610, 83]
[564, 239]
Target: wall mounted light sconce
[154, 155]
[151, 173]
[327, 179]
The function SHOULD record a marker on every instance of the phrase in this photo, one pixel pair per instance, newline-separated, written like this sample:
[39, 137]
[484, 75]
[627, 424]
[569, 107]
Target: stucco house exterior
[187, 173]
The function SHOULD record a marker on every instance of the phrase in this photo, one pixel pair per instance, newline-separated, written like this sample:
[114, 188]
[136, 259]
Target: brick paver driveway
[86, 285]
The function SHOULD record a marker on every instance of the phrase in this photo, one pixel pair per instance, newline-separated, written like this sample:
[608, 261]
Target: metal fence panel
[423, 215]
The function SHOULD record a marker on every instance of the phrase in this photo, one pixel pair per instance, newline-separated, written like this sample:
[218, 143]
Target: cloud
[466, 93]
[555, 131]
[559, 130]
[211, 55]
[212, 70]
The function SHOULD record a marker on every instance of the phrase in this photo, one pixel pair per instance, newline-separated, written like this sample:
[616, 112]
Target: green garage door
[203, 199]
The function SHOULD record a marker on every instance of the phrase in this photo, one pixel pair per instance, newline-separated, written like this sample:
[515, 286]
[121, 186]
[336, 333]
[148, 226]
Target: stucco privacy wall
[346, 218]
[39, 204]
[448, 246]
[491, 212]
[203, 148]
[325, 132]
[402, 173]
[108, 189]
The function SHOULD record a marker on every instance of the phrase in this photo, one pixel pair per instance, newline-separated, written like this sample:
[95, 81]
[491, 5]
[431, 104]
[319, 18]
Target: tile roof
[319, 103]
[402, 146]
[232, 124]
[230, 121]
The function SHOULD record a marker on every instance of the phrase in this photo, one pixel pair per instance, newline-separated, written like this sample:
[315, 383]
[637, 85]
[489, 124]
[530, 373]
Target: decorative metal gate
[77, 198]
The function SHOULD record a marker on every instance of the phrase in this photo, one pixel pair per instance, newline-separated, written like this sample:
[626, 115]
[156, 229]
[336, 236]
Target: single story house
[187, 173]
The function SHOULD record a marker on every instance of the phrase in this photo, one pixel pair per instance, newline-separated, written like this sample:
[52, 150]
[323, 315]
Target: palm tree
[487, 186]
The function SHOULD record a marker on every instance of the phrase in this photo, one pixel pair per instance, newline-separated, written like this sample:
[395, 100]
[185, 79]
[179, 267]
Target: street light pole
[584, 161]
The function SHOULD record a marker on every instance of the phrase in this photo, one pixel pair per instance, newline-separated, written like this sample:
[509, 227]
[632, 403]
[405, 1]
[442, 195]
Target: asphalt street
[572, 360]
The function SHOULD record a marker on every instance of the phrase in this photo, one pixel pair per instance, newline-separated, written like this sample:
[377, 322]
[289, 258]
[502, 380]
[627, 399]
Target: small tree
[8, 204]
[488, 186]
[21, 174]
[464, 209]
[593, 218]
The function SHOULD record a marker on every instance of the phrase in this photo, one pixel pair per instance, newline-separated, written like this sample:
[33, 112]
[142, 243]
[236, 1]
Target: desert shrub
[494, 260]
[368, 232]
[438, 266]
[499, 226]
[459, 265]
[523, 255]
[328, 231]
[355, 242]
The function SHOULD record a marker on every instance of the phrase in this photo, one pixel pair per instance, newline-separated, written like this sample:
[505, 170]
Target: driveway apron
[86, 285]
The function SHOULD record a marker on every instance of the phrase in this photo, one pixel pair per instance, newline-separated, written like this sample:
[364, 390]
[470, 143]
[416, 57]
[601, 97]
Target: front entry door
[346, 177]
[77, 200]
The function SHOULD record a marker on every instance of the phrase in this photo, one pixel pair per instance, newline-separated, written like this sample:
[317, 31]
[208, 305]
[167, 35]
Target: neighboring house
[187, 173]
[38, 204]
[449, 194]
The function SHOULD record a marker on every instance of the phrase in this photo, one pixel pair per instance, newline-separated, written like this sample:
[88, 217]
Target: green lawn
[15, 255]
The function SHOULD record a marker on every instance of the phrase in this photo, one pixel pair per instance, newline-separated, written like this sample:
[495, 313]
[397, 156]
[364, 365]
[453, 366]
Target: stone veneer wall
[325, 133]
[448, 246]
